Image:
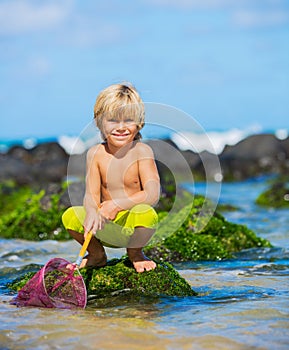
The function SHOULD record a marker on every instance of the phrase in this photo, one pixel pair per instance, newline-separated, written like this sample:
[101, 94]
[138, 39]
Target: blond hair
[119, 101]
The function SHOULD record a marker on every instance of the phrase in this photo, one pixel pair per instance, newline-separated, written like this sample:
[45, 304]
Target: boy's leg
[137, 241]
[96, 253]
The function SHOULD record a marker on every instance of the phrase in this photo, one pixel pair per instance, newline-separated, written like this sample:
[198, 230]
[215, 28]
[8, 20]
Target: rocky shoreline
[34, 194]
[254, 156]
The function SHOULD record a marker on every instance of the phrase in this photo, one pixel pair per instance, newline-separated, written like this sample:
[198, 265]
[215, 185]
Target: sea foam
[211, 141]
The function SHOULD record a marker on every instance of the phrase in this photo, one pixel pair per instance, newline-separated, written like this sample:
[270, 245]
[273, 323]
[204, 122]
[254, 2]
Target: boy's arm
[91, 201]
[149, 178]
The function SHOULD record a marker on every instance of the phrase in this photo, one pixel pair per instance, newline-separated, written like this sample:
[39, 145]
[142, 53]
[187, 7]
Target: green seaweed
[23, 216]
[217, 239]
[227, 207]
[190, 231]
[276, 196]
[20, 281]
[119, 275]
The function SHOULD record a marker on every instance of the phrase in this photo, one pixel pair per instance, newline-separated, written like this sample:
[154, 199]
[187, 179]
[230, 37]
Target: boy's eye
[129, 120]
[126, 121]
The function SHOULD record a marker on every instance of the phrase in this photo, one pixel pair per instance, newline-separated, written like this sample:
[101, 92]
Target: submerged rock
[276, 196]
[119, 277]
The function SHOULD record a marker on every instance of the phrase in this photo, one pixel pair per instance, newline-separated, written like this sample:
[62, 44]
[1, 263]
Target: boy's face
[119, 131]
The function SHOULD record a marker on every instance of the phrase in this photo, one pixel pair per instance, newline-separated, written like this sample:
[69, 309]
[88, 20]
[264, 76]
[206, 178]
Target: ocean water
[243, 303]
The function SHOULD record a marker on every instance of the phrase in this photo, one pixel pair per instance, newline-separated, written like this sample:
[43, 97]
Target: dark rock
[73, 195]
[15, 169]
[173, 162]
[256, 155]
[49, 162]
[285, 146]
[42, 164]
[20, 153]
[76, 166]
[208, 167]
[254, 147]
[167, 153]
[48, 152]
[284, 157]
[50, 171]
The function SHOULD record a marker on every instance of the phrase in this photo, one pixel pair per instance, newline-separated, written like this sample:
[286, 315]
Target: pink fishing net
[58, 284]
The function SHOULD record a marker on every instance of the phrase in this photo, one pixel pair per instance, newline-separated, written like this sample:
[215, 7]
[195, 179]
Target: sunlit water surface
[243, 303]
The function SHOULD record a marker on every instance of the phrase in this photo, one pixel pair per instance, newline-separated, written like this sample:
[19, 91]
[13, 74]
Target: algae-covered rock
[33, 214]
[119, 276]
[216, 239]
[36, 215]
[225, 207]
[276, 196]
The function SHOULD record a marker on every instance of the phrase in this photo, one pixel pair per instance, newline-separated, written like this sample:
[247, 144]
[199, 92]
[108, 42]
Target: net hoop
[38, 292]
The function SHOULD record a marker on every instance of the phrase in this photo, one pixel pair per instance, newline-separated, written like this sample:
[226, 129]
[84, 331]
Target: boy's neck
[119, 152]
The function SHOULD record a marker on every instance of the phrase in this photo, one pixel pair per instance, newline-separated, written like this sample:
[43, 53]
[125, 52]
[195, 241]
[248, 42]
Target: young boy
[122, 183]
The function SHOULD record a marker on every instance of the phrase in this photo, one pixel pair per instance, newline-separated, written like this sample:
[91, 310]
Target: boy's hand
[109, 209]
[93, 222]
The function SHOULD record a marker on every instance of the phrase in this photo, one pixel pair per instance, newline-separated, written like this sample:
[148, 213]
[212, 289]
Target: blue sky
[226, 62]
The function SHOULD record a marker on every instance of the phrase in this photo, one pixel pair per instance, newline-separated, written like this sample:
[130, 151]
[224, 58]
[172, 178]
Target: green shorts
[115, 233]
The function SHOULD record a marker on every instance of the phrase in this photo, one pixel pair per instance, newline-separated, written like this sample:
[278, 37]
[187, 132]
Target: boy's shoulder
[144, 149]
[94, 150]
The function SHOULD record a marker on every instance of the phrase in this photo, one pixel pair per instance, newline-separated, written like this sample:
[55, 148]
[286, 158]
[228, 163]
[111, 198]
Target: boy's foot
[145, 265]
[93, 261]
[140, 262]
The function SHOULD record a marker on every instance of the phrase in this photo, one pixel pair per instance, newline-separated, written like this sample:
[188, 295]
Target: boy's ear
[140, 126]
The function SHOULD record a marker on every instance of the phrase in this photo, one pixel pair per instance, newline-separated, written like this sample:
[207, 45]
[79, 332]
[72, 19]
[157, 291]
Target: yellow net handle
[83, 248]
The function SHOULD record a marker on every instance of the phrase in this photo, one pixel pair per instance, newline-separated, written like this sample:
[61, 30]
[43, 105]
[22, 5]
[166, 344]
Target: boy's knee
[146, 214]
[66, 216]
[142, 209]
[72, 218]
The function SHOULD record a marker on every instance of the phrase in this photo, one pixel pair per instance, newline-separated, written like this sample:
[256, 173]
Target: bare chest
[120, 174]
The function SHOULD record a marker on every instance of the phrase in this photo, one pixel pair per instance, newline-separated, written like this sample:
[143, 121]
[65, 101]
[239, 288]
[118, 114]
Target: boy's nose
[121, 125]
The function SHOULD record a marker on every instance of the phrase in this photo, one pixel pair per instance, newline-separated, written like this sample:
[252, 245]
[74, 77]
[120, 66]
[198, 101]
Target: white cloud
[74, 24]
[17, 17]
[250, 19]
[269, 5]
[32, 69]
[196, 4]
[90, 32]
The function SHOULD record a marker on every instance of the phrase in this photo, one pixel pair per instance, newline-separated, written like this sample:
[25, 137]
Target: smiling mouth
[120, 135]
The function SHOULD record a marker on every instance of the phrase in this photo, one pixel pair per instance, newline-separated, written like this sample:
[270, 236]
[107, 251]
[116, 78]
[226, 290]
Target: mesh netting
[58, 284]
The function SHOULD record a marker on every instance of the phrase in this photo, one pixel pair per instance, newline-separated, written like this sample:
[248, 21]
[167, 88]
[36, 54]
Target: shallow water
[243, 302]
